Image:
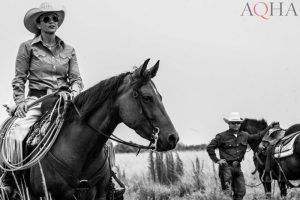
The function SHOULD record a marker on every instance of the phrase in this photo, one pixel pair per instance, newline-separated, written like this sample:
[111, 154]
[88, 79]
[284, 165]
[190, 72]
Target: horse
[77, 160]
[282, 169]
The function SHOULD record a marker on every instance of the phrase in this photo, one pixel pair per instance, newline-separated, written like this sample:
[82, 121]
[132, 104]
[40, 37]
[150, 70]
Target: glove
[261, 147]
[222, 162]
[74, 93]
[21, 110]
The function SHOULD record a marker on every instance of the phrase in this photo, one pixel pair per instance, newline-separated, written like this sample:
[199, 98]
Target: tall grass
[165, 179]
[151, 167]
[198, 180]
[163, 168]
[179, 166]
[198, 175]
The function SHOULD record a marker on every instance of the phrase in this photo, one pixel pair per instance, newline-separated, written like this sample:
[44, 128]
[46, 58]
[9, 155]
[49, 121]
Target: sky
[215, 57]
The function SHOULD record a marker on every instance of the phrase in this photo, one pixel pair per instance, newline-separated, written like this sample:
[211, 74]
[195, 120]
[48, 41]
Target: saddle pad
[284, 150]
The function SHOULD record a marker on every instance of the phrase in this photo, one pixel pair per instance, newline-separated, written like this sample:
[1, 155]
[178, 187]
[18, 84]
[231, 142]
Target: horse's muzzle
[167, 143]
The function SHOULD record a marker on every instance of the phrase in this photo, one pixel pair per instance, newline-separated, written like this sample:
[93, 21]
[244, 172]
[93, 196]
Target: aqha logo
[265, 10]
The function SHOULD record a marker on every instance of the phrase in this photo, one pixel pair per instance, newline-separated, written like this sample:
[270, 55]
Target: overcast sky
[213, 60]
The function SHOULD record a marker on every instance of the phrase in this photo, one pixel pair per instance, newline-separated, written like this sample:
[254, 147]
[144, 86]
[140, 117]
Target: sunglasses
[235, 122]
[47, 19]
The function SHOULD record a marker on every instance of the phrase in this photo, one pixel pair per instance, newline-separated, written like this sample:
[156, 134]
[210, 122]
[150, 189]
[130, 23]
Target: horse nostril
[173, 138]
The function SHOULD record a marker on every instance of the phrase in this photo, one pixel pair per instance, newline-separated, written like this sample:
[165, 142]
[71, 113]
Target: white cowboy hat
[233, 117]
[30, 19]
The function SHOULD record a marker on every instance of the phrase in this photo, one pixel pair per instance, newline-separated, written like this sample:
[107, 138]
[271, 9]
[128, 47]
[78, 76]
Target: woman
[48, 64]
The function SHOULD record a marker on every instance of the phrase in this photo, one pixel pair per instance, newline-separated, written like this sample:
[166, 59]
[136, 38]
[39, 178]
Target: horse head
[253, 126]
[140, 108]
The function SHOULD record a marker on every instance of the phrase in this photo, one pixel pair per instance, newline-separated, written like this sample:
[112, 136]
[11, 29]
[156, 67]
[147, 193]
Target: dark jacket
[231, 148]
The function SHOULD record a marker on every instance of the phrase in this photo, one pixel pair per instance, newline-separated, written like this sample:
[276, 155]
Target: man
[232, 145]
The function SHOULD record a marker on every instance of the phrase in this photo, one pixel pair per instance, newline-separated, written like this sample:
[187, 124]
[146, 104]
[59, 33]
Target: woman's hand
[21, 110]
[74, 93]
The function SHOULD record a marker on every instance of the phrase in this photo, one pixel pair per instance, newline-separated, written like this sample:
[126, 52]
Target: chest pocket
[243, 146]
[38, 53]
[229, 144]
[64, 58]
[242, 141]
[39, 59]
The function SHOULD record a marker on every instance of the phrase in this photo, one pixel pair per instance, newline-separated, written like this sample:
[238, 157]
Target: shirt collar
[230, 131]
[39, 39]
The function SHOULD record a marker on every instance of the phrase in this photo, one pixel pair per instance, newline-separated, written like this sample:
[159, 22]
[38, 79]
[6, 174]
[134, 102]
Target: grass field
[134, 170]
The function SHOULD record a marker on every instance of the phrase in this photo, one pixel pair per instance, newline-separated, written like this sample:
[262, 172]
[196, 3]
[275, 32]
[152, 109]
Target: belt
[37, 93]
[232, 161]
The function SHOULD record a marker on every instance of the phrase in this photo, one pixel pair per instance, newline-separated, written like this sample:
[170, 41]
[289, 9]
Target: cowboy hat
[30, 19]
[233, 117]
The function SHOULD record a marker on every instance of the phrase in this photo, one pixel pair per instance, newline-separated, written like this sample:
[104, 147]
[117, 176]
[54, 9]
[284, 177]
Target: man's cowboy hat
[233, 117]
[30, 19]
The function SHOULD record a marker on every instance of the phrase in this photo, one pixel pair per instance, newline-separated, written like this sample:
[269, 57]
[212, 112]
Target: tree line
[121, 148]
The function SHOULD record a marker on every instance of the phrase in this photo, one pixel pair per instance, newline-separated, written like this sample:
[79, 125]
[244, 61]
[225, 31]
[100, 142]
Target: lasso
[47, 141]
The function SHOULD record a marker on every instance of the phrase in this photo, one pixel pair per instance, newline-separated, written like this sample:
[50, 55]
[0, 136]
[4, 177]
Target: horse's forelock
[140, 80]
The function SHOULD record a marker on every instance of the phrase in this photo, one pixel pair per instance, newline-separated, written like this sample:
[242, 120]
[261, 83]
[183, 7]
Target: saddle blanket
[284, 150]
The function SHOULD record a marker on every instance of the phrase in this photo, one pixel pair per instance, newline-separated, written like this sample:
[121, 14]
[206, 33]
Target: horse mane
[260, 124]
[91, 99]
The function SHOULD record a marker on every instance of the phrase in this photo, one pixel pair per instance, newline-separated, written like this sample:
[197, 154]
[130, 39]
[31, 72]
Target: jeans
[19, 130]
[232, 181]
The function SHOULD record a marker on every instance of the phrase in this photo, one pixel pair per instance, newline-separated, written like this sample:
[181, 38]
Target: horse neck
[254, 145]
[79, 143]
[103, 121]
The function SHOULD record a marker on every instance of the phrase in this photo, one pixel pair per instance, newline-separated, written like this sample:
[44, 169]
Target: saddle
[285, 147]
[281, 141]
[273, 136]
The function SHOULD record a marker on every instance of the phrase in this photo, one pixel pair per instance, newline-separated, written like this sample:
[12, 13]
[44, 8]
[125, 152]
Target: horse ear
[141, 70]
[153, 70]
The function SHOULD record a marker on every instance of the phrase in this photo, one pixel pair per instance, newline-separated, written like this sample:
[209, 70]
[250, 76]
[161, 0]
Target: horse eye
[147, 98]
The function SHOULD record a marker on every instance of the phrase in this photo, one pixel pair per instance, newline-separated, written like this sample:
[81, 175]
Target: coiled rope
[47, 141]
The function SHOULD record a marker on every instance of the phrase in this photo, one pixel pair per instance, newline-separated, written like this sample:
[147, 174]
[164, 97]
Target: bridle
[155, 130]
